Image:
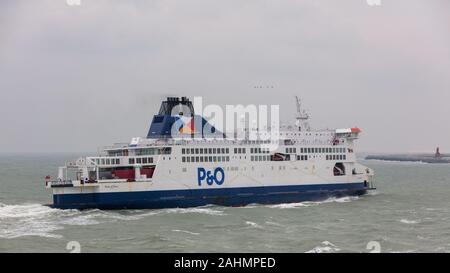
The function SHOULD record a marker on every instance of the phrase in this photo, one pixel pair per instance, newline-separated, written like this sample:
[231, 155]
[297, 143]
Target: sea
[409, 212]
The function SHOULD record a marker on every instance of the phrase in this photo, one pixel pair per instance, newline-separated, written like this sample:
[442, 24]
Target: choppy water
[408, 213]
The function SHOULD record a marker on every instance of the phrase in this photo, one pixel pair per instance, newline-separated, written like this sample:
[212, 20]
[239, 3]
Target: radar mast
[302, 117]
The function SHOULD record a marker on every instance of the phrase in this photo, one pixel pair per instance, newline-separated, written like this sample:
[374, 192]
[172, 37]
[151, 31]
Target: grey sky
[76, 77]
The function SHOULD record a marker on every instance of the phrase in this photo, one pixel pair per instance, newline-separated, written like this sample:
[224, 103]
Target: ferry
[163, 171]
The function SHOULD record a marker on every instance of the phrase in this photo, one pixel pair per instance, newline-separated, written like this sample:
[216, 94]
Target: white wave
[26, 210]
[96, 216]
[292, 205]
[253, 224]
[274, 224]
[249, 206]
[28, 220]
[325, 247]
[202, 210]
[410, 222]
[39, 220]
[82, 220]
[345, 199]
[185, 231]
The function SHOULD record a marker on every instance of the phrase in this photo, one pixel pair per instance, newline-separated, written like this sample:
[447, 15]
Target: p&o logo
[217, 176]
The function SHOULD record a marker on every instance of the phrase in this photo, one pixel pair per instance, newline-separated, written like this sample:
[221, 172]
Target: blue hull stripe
[200, 197]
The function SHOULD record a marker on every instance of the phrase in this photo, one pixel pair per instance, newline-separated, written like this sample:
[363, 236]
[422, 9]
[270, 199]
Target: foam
[185, 231]
[325, 247]
[253, 224]
[28, 220]
[345, 199]
[201, 210]
[409, 222]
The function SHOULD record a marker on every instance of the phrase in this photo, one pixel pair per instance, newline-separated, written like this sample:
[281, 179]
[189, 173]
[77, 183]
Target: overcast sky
[73, 78]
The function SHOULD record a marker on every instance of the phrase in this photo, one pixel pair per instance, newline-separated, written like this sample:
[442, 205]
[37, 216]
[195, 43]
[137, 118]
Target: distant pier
[437, 157]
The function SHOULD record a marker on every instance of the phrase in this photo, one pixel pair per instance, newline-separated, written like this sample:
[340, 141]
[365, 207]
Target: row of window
[260, 158]
[258, 142]
[291, 150]
[154, 151]
[259, 150]
[316, 150]
[140, 160]
[240, 150]
[336, 157]
[205, 159]
[302, 157]
[118, 153]
[200, 151]
[107, 161]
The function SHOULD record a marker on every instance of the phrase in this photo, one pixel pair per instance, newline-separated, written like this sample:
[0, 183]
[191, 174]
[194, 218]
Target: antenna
[302, 116]
[299, 104]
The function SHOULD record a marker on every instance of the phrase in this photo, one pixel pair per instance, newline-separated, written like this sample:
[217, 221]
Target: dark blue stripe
[201, 197]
